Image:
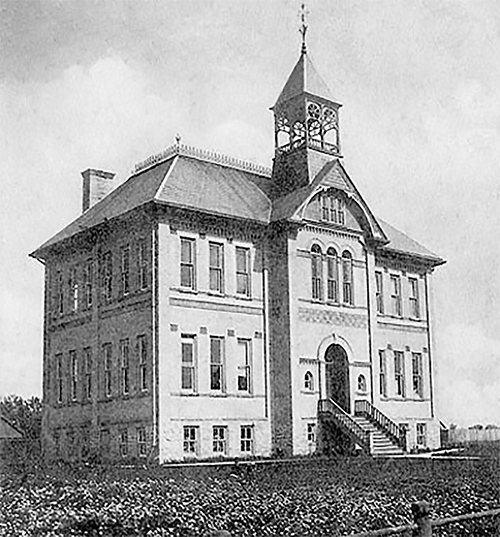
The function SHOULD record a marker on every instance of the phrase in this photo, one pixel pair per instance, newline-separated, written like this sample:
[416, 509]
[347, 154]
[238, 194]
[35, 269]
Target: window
[143, 356]
[341, 212]
[190, 440]
[379, 292]
[311, 433]
[361, 383]
[125, 271]
[418, 387]
[216, 267]
[421, 434]
[244, 365]
[73, 289]
[399, 373]
[108, 276]
[73, 383]
[60, 293]
[243, 271]
[143, 266]
[71, 441]
[317, 272]
[104, 442]
[141, 442]
[59, 375]
[246, 439]
[396, 295]
[348, 297]
[217, 363]
[382, 373]
[219, 442]
[124, 443]
[107, 369]
[88, 277]
[332, 275]
[187, 263]
[87, 364]
[188, 366]
[308, 381]
[414, 299]
[125, 366]
[332, 209]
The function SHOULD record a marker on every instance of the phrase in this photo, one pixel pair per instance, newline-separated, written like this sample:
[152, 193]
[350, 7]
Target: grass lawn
[306, 497]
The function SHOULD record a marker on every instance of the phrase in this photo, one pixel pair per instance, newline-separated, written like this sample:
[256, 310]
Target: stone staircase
[369, 428]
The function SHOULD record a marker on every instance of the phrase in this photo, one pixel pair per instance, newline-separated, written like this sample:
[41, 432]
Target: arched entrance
[337, 376]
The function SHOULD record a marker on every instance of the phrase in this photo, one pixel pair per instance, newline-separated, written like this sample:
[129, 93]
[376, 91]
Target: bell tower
[306, 125]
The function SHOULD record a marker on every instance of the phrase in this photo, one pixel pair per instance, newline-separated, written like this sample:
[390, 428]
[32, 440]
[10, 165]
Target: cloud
[468, 376]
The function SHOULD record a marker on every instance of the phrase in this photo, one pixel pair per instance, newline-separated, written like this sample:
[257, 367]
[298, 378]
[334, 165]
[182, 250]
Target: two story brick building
[209, 307]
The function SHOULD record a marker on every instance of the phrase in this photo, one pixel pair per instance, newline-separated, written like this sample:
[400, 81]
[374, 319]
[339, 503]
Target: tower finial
[303, 29]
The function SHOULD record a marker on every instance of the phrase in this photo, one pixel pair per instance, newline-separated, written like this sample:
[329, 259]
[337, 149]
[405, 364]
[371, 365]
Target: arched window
[347, 278]
[308, 381]
[332, 275]
[317, 272]
[361, 383]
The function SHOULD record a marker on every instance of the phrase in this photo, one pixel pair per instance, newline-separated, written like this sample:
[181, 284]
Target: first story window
[59, 377]
[217, 363]
[107, 358]
[188, 263]
[244, 365]
[417, 376]
[219, 440]
[123, 443]
[143, 356]
[73, 382]
[246, 439]
[125, 366]
[399, 373]
[141, 442]
[87, 364]
[421, 434]
[382, 373]
[311, 433]
[188, 365]
[191, 440]
[243, 271]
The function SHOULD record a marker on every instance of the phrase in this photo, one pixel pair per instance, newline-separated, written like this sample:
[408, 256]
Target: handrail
[345, 421]
[390, 428]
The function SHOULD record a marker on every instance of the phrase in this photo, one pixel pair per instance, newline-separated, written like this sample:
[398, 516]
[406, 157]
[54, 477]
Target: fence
[465, 436]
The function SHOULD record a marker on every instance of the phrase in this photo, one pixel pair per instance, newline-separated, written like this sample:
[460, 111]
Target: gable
[332, 201]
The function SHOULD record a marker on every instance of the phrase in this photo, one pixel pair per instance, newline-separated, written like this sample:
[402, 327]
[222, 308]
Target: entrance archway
[337, 376]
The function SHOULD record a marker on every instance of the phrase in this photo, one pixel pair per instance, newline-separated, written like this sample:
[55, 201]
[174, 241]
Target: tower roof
[305, 79]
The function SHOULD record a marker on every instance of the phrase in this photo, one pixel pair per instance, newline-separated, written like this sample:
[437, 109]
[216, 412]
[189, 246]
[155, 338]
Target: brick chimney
[96, 185]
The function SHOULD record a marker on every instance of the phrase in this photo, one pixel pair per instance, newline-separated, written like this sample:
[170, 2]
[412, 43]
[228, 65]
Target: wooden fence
[466, 436]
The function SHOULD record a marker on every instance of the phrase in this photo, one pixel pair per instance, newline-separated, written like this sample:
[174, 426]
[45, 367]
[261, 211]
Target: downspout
[154, 336]
[429, 340]
[265, 296]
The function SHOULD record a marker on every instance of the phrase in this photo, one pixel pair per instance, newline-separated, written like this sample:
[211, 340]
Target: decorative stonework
[305, 360]
[201, 154]
[332, 232]
[401, 327]
[339, 318]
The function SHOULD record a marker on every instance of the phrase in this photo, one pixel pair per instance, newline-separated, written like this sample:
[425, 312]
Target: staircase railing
[345, 422]
[396, 433]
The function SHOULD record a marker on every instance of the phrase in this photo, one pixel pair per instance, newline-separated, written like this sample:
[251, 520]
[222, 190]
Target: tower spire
[303, 28]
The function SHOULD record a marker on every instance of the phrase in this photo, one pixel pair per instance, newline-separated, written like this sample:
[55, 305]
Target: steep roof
[304, 79]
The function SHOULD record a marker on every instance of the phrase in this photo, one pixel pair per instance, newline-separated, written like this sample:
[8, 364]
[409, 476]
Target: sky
[105, 84]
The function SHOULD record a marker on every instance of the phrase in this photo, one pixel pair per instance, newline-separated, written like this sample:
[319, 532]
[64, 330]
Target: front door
[337, 376]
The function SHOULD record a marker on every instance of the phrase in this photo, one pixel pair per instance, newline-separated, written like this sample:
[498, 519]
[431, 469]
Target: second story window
[244, 365]
[379, 292]
[188, 364]
[382, 368]
[216, 267]
[418, 385]
[88, 282]
[347, 278]
[87, 364]
[143, 266]
[243, 271]
[396, 295]
[73, 381]
[332, 275]
[414, 298]
[73, 289]
[143, 368]
[188, 263]
[125, 366]
[125, 270]
[60, 293]
[107, 358]
[217, 363]
[108, 276]
[316, 272]
[399, 373]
